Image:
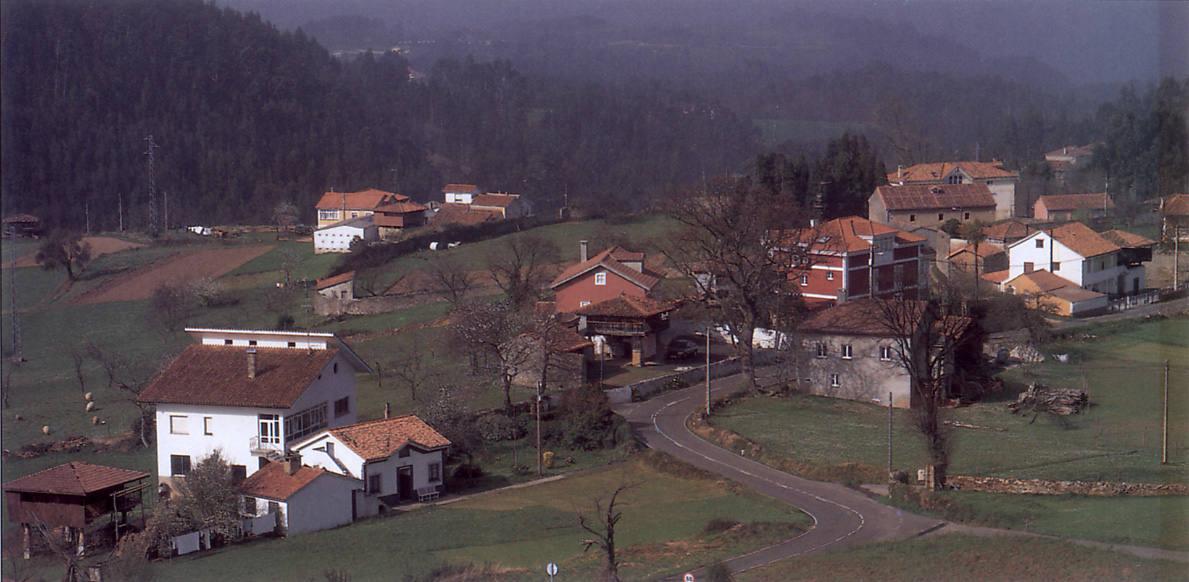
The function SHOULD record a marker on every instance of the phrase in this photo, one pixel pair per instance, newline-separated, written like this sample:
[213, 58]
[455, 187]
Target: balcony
[617, 328]
[264, 448]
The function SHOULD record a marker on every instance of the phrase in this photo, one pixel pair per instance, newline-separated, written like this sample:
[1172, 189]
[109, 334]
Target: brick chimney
[292, 463]
[251, 364]
[582, 251]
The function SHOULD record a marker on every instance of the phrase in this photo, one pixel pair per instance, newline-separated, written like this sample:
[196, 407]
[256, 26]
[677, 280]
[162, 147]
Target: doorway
[404, 482]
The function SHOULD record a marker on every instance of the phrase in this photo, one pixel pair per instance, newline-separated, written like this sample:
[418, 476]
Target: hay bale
[90, 406]
[45, 429]
[87, 396]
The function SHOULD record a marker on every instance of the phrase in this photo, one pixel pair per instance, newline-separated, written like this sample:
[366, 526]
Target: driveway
[842, 516]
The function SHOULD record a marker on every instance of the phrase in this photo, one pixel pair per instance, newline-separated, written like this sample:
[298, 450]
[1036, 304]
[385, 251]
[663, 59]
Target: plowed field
[180, 268]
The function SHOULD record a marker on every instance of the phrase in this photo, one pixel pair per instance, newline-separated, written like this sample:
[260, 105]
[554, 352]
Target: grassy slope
[1119, 439]
[961, 558]
[520, 529]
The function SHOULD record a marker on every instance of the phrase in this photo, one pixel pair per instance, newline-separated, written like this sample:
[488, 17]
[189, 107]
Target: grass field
[961, 558]
[520, 530]
[1119, 439]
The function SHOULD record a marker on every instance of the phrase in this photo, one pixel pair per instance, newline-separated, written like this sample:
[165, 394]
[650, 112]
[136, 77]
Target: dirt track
[182, 267]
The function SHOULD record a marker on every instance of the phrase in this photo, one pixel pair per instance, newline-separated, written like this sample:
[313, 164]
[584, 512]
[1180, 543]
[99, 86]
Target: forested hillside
[247, 116]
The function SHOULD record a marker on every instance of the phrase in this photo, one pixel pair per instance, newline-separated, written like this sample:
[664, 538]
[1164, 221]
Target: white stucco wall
[337, 239]
[351, 464]
[1025, 251]
[322, 504]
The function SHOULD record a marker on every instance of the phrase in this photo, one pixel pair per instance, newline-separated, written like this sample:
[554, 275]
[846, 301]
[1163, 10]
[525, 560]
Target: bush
[521, 469]
[468, 471]
[498, 427]
[719, 525]
[718, 572]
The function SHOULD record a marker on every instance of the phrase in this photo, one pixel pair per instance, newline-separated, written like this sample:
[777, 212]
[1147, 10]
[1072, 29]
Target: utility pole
[889, 434]
[539, 472]
[154, 228]
[1164, 432]
[1176, 257]
[707, 371]
[87, 213]
[120, 210]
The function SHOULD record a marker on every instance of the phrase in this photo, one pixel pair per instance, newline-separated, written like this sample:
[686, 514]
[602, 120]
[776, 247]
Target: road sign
[689, 577]
[551, 569]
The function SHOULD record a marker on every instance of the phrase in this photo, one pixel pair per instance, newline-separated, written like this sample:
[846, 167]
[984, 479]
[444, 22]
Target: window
[305, 422]
[251, 342]
[206, 425]
[226, 342]
[373, 483]
[329, 446]
[179, 464]
[823, 349]
[404, 453]
[250, 505]
[829, 276]
[328, 214]
[291, 344]
[179, 424]
[965, 216]
[342, 406]
[1056, 266]
[583, 303]
[336, 368]
[270, 430]
[912, 218]
[846, 352]
[435, 472]
[1040, 243]
[1028, 266]
[834, 380]
[955, 179]
[940, 216]
[601, 278]
[804, 280]
[886, 353]
[238, 473]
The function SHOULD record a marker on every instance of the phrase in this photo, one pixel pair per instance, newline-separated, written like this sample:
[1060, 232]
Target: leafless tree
[412, 369]
[928, 334]
[170, 306]
[130, 379]
[453, 281]
[483, 329]
[520, 269]
[284, 215]
[737, 232]
[78, 359]
[601, 523]
[64, 250]
[290, 261]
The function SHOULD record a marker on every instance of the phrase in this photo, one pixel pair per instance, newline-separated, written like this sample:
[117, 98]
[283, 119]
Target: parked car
[681, 349]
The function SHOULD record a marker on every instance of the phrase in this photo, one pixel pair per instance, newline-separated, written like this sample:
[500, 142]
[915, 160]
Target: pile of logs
[1060, 401]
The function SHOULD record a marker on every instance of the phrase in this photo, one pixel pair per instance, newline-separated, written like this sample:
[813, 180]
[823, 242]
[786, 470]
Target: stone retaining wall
[1047, 487]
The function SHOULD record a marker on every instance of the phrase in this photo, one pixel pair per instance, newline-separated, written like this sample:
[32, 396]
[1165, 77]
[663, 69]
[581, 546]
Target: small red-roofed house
[397, 460]
[301, 498]
[341, 286]
[633, 322]
[1062, 207]
[507, 205]
[982, 257]
[460, 193]
[1174, 216]
[1064, 297]
[250, 394]
[391, 219]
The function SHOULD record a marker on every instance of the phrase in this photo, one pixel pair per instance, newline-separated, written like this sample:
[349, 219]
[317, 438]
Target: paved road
[842, 516]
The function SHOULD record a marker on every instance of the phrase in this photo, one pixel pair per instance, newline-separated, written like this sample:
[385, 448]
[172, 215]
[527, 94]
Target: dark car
[681, 349]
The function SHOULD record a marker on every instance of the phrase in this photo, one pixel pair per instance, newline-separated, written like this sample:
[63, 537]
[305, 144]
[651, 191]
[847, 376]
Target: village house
[295, 499]
[249, 394]
[395, 460]
[462, 215]
[1174, 215]
[337, 238]
[983, 257]
[1043, 289]
[607, 275]
[1064, 207]
[392, 219]
[849, 257]
[1110, 263]
[341, 286]
[1000, 182]
[460, 193]
[507, 205]
[931, 205]
[336, 207]
[627, 325]
[1005, 232]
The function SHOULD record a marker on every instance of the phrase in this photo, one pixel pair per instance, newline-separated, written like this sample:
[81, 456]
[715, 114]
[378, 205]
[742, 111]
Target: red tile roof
[1007, 230]
[218, 376]
[463, 188]
[454, 213]
[335, 280]
[379, 439]
[939, 171]
[1127, 239]
[857, 317]
[273, 481]
[495, 200]
[1176, 205]
[936, 196]
[74, 478]
[1082, 240]
[611, 259]
[365, 200]
[1045, 281]
[401, 207]
[845, 235]
[996, 276]
[628, 306]
[982, 250]
[1061, 202]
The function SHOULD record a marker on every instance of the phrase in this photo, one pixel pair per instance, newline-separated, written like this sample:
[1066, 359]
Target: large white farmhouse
[1111, 262]
[249, 394]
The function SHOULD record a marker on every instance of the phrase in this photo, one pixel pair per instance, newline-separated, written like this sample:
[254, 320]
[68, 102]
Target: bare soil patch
[179, 268]
[100, 245]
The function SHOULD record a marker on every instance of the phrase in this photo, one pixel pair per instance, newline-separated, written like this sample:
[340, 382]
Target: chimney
[251, 364]
[582, 248]
[1065, 150]
[292, 463]
[900, 172]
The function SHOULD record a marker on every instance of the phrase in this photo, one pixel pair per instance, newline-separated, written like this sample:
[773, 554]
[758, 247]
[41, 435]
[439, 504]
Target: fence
[1129, 301]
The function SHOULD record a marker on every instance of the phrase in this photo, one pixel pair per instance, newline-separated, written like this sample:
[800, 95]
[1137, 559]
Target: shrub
[718, 572]
[521, 469]
[498, 427]
[719, 525]
[468, 471]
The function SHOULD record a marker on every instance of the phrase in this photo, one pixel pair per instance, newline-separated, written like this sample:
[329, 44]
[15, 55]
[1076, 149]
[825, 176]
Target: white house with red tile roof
[1107, 263]
[249, 394]
[1001, 182]
[301, 498]
[397, 459]
[460, 193]
[851, 256]
[336, 207]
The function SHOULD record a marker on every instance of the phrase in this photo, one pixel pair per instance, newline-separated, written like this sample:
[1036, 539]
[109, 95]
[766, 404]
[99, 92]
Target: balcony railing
[263, 448]
[616, 328]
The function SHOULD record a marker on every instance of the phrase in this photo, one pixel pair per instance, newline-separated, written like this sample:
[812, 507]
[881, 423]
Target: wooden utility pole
[707, 371]
[889, 434]
[539, 472]
[1164, 432]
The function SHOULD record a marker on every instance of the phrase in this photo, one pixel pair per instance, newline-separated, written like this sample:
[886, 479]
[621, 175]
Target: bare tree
[733, 231]
[483, 329]
[130, 379]
[453, 281]
[170, 306]
[64, 250]
[601, 524]
[521, 267]
[411, 369]
[928, 334]
[284, 215]
[290, 261]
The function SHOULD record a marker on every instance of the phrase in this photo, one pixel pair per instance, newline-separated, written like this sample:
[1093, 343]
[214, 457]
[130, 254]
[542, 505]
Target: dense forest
[246, 116]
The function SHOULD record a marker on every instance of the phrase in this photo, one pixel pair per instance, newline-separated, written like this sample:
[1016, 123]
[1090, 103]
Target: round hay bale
[17, 417]
[95, 420]
[45, 429]
[90, 406]
[87, 396]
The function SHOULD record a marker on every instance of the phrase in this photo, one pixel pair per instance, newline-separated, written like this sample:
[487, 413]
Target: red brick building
[850, 256]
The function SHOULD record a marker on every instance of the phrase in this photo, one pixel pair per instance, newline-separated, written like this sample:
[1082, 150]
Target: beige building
[1000, 182]
[931, 204]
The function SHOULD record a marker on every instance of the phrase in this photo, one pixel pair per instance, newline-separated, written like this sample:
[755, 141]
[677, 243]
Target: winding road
[842, 516]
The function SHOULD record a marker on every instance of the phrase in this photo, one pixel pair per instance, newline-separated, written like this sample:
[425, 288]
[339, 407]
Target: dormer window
[955, 179]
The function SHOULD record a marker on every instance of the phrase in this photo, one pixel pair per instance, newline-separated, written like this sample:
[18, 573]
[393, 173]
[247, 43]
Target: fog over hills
[1045, 43]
